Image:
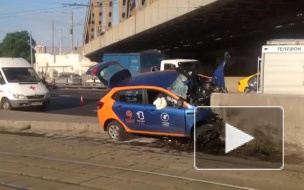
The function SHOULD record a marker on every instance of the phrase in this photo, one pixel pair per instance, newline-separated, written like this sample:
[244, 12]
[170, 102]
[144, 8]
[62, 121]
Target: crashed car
[157, 103]
[249, 84]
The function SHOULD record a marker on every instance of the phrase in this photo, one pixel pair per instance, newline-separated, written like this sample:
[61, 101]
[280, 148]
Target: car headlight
[19, 96]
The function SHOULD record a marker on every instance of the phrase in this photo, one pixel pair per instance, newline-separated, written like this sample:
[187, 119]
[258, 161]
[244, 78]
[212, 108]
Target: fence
[81, 85]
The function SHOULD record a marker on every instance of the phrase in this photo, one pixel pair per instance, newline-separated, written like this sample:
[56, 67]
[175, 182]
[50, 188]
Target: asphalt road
[67, 102]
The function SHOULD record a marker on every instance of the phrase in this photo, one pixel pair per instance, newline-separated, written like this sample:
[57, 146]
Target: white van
[20, 85]
[172, 64]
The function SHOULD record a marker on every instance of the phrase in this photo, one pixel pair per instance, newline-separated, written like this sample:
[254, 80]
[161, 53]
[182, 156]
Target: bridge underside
[217, 22]
[240, 26]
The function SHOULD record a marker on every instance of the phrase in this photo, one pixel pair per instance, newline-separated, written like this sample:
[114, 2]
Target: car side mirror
[180, 103]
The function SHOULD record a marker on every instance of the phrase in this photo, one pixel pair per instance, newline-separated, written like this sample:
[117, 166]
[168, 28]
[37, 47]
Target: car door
[170, 119]
[110, 74]
[129, 108]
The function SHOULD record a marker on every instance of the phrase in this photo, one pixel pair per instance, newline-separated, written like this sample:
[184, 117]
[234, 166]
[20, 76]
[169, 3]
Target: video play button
[235, 138]
[264, 150]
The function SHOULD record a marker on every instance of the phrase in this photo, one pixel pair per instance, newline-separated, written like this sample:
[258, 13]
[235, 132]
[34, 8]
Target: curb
[50, 126]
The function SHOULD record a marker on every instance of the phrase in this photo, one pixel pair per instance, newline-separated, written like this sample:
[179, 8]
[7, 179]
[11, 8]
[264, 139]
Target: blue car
[157, 103]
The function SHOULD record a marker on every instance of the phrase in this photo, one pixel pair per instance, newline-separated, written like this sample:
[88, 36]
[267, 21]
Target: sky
[37, 16]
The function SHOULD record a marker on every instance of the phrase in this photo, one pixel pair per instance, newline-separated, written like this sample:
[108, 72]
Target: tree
[17, 44]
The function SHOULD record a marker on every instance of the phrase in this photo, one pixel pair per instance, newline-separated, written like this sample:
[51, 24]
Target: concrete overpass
[181, 26]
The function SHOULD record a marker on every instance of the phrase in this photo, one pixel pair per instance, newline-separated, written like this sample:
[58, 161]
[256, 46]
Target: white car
[93, 81]
[172, 64]
[20, 85]
[68, 78]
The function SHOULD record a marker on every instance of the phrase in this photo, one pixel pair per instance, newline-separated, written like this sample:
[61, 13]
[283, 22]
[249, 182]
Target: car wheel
[6, 104]
[205, 134]
[114, 130]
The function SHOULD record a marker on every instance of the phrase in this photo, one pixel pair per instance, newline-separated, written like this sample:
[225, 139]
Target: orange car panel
[106, 113]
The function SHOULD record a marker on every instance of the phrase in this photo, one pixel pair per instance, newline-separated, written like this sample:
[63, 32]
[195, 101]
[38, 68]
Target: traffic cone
[81, 100]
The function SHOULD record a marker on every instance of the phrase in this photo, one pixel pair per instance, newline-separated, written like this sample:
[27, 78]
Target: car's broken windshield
[179, 86]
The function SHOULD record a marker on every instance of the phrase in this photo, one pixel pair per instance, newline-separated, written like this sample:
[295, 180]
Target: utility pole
[76, 45]
[53, 52]
[60, 44]
[31, 48]
[72, 33]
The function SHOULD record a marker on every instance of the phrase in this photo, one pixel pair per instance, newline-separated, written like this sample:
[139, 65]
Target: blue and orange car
[129, 105]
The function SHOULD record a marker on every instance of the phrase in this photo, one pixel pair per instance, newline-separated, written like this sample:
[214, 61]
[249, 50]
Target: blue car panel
[201, 115]
[162, 79]
[168, 120]
[131, 115]
[219, 72]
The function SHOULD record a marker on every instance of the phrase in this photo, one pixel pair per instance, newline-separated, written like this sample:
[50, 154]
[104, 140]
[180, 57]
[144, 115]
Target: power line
[36, 1]
[101, 5]
[33, 10]
[79, 22]
[38, 12]
[82, 12]
[98, 4]
[80, 5]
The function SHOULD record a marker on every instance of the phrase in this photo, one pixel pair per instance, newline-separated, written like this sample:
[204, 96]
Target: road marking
[62, 95]
[126, 169]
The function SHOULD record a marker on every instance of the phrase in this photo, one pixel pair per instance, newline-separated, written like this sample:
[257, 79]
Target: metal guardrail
[80, 86]
[87, 85]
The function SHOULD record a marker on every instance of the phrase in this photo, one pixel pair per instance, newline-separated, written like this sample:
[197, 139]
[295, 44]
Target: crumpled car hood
[193, 89]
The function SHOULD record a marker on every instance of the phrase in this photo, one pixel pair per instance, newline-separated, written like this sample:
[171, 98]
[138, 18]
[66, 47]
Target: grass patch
[267, 147]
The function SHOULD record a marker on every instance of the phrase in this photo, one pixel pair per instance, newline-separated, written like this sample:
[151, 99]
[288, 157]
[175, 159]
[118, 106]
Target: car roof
[179, 60]
[163, 79]
[13, 62]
